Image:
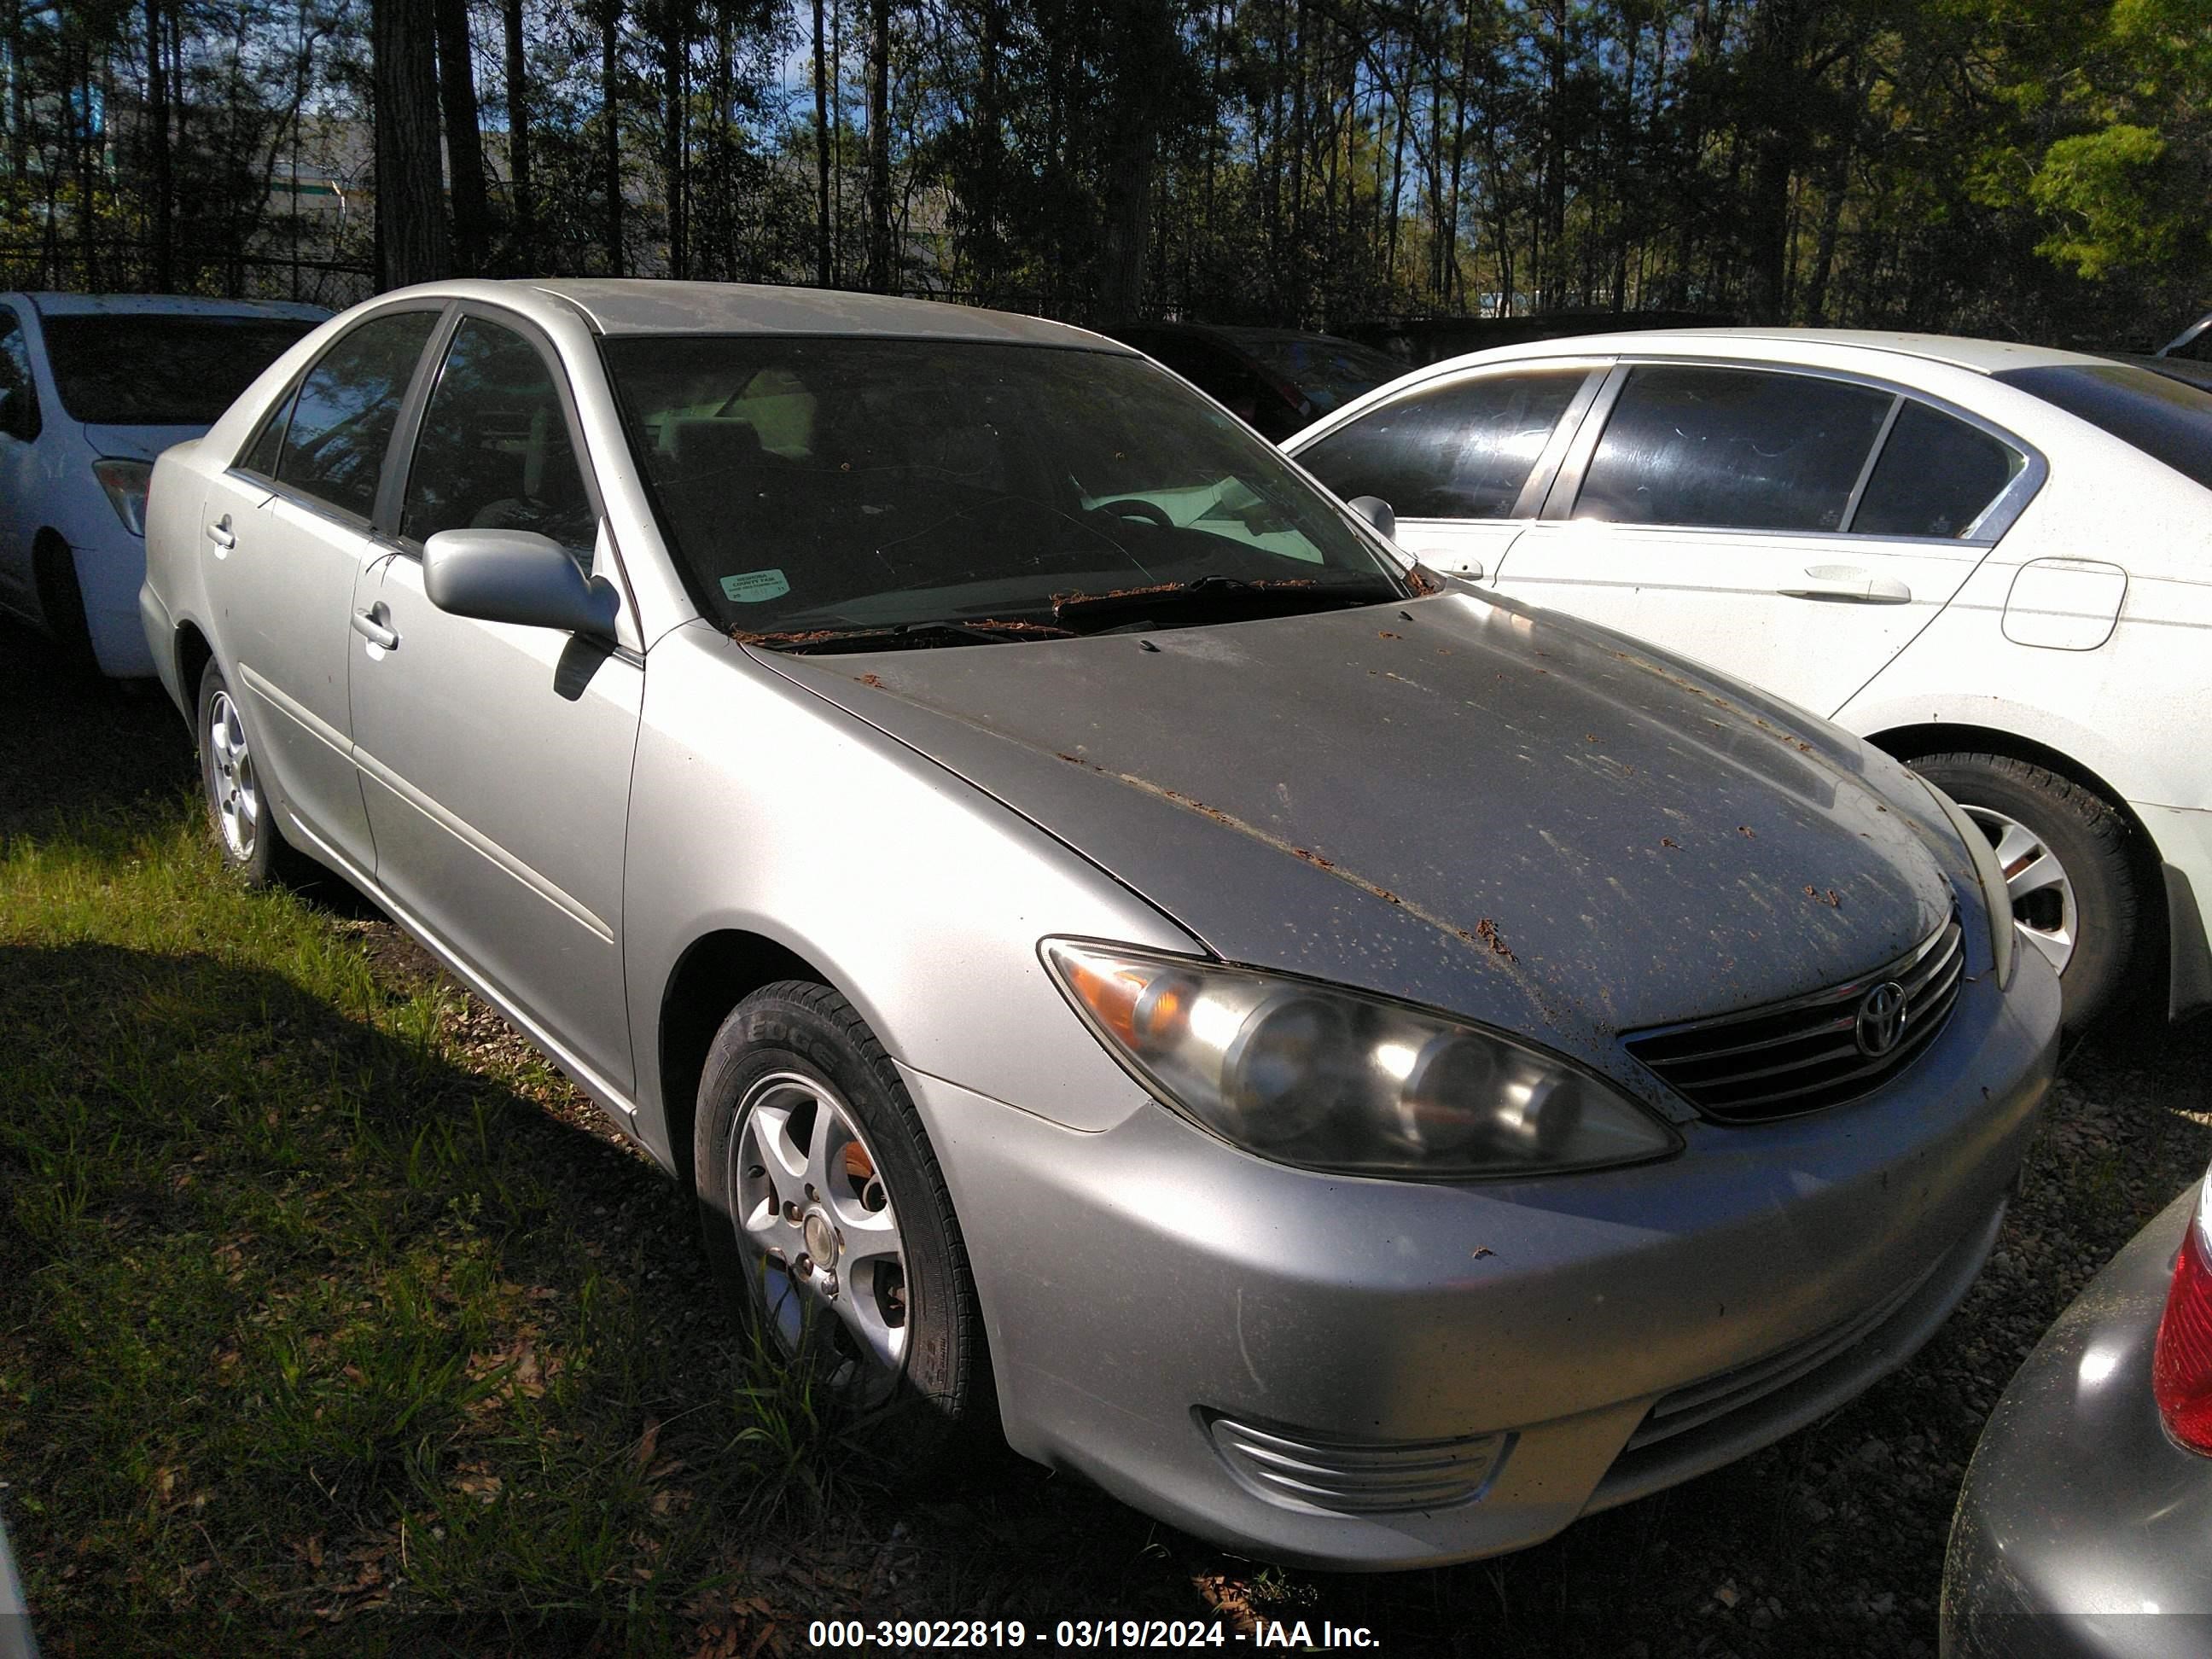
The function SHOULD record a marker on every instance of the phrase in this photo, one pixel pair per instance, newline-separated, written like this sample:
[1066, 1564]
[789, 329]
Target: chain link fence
[128, 268]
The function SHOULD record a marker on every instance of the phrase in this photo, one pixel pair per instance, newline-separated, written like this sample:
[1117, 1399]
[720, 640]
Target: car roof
[167, 305]
[1981, 356]
[647, 306]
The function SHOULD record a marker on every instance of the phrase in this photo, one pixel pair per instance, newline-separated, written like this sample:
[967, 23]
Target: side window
[19, 392]
[1935, 477]
[1461, 451]
[269, 445]
[494, 451]
[1731, 448]
[342, 420]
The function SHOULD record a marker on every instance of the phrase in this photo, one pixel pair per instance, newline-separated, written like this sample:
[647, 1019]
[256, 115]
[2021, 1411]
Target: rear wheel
[238, 808]
[827, 1220]
[61, 602]
[2063, 851]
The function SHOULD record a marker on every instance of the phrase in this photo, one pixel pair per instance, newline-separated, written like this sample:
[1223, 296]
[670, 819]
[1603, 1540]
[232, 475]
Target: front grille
[1803, 1055]
[1353, 1477]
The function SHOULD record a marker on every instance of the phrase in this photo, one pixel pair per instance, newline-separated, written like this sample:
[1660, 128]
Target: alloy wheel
[237, 793]
[2045, 912]
[818, 1230]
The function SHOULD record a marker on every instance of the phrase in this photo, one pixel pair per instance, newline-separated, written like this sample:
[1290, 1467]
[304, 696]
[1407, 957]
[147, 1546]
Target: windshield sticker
[753, 587]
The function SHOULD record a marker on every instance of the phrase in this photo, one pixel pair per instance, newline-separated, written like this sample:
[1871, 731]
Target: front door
[495, 759]
[20, 492]
[1462, 461]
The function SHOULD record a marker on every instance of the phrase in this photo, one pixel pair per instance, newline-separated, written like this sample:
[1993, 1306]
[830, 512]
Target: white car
[1993, 561]
[93, 387]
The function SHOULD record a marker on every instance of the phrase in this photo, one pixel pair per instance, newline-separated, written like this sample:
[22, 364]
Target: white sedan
[93, 386]
[1993, 561]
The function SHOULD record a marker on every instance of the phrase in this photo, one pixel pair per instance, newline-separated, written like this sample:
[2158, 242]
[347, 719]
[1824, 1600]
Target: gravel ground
[1830, 1543]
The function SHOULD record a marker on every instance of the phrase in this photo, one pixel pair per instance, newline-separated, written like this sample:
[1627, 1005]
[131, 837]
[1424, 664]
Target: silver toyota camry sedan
[1366, 1070]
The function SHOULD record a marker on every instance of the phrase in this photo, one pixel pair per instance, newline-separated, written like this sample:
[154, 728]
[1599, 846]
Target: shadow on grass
[75, 745]
[309, 1335]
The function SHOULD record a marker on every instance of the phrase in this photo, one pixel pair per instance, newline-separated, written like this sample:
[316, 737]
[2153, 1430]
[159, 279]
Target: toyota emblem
[1880, 1026]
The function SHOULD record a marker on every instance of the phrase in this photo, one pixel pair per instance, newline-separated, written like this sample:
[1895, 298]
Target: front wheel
[2065, 855]
[827, 1220]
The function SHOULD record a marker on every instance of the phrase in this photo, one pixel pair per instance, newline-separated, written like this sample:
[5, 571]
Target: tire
[2083, 914]
[239, 813]
[898, 1335]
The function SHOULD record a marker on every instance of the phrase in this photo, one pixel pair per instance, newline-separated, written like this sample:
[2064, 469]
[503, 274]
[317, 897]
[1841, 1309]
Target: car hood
[137, 443]
[1461, 800]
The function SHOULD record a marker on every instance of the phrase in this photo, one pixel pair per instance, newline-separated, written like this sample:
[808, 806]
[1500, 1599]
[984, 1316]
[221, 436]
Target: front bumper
[2082, 1529]
[1207, 1335]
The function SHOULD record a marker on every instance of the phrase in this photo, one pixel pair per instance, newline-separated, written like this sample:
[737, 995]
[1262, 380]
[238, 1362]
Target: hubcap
[816, 1224]
[2044, 911]
[237, 795]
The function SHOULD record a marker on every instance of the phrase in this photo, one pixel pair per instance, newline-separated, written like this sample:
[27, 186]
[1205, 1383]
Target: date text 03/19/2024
[905, 1635]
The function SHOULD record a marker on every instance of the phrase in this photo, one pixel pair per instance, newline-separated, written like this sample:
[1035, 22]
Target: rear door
[286, 535]
[494, 758]
[1462, 461]
[1794, 529]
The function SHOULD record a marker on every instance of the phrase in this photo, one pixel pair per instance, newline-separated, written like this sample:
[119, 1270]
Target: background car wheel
[238, 810]
[827, 1220]
[2063, 850]
[61, 602]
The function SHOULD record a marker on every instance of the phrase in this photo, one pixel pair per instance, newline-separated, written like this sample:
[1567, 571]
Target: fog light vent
[1356, 1477]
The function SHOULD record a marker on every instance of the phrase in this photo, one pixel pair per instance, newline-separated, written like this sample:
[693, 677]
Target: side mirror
[1376, 512]
[16, 412]
[516, 576]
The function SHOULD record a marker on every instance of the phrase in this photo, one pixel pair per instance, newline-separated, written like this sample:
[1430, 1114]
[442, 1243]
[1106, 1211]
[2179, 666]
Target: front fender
[759, 807]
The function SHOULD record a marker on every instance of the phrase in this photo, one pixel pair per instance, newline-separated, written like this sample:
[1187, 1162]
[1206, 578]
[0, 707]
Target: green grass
[309, 1313]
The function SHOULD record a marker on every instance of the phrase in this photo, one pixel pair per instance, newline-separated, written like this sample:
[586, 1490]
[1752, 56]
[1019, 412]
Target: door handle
[369, 624]
[1847, 582]
[219, 533]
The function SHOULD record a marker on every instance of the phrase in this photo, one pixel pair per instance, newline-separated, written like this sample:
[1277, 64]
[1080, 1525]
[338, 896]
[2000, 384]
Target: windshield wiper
[904, 636]
[1214, 598]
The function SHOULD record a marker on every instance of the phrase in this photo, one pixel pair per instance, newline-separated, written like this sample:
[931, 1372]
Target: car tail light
[126, 483]
[2181, 1366]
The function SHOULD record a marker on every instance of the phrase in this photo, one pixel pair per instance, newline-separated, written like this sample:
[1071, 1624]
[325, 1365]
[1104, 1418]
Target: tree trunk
[675, 57]
[457, 87]
[518, 140]
[837, 143]
[821, 151]
[989, 140]
[882, 265]
[157, 129]
[411, 219]
[611, 133]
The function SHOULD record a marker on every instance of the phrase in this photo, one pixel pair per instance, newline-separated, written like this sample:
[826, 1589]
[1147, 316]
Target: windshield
[1330, 373]
[2163, 418]
[154, 370]
[813, 484]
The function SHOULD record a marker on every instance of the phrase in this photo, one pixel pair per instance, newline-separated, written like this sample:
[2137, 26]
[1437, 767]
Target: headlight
[1996, 898]
[126, 484]
[1336, 1079]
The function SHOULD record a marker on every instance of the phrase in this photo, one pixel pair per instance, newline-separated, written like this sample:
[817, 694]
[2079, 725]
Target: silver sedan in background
[1365, 1070]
